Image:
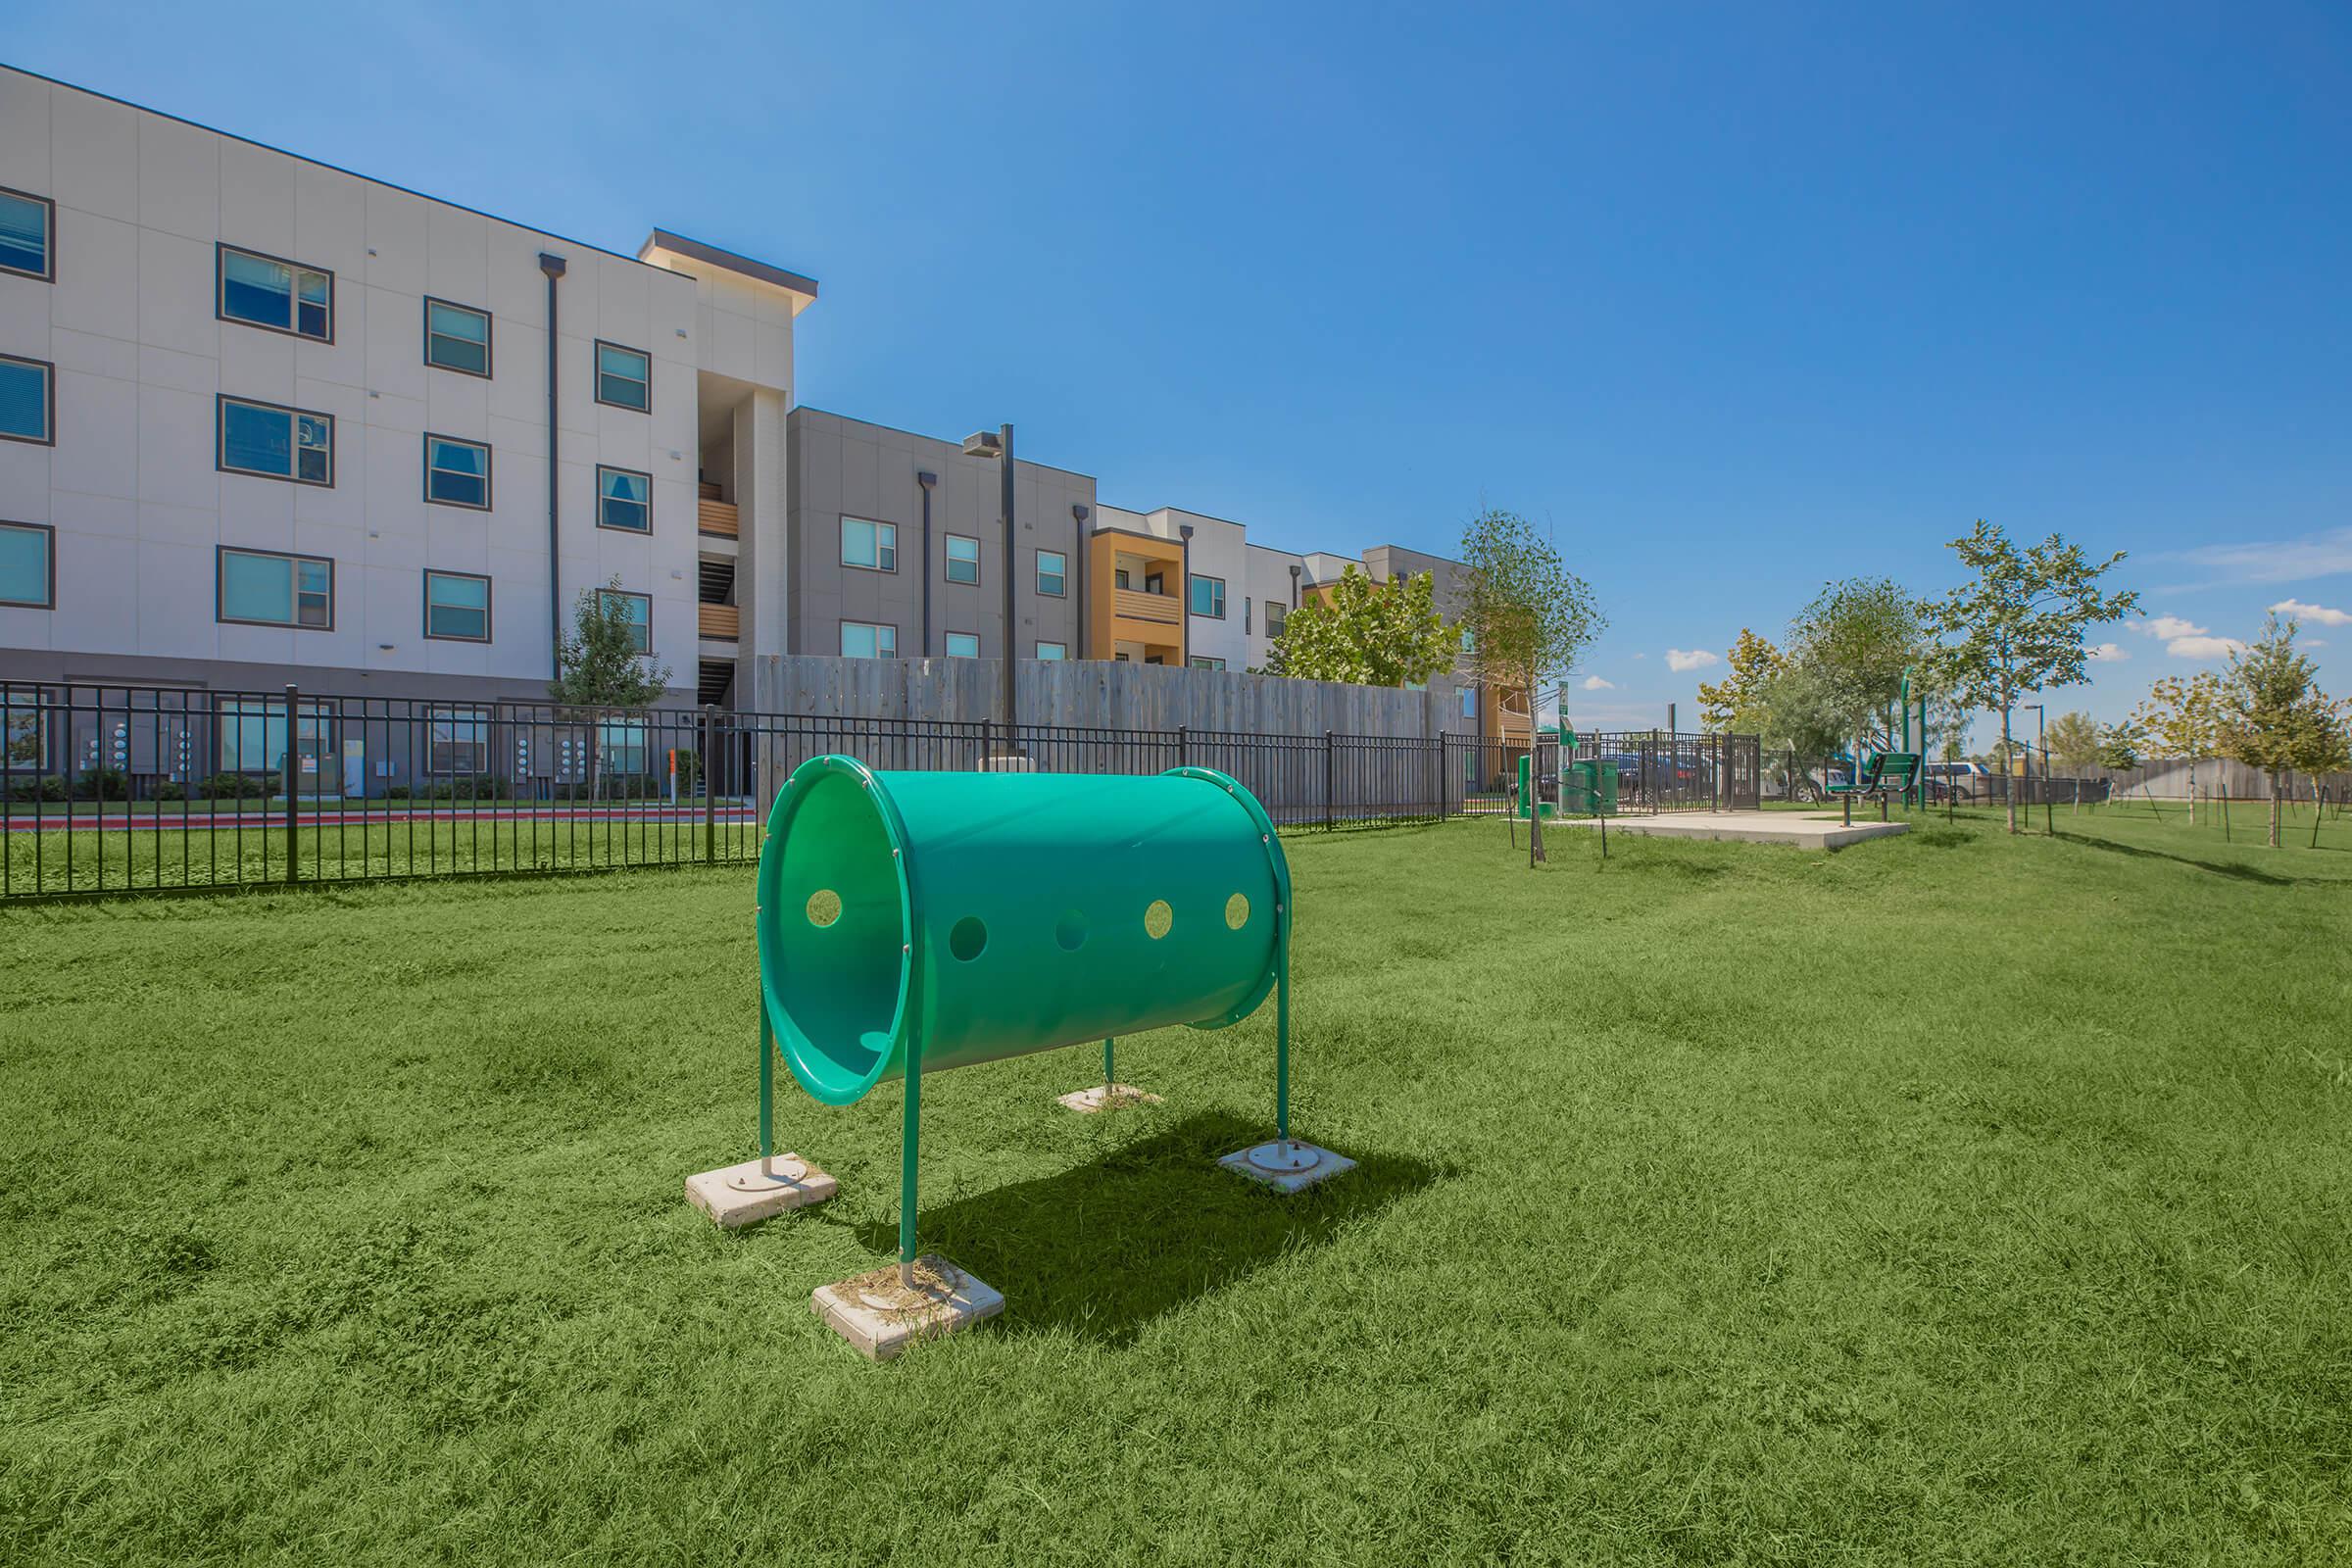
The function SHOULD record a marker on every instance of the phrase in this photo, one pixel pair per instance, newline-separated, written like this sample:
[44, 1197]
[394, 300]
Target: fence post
[985, 728]
[292, 776]
[1184, 746]
[710, 795]
[1331, 793]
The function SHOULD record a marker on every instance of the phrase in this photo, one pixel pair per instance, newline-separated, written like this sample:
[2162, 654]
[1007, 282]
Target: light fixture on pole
[981, 444]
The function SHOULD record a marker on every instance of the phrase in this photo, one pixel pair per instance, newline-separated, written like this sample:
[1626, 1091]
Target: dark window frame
[1043, 643]
[489, 599]
[50, 529]
[49, 414]
[948, 557]
[596, 371]
[221, 250]
[480, 716]
[489, 339]
[950, 653]
[220, 616]
[432, 499]
[875, 627]
[1194, 581]
[603, 594]
[49, 247]
[1204, 661]
[603, 468]
[220, 464]
[1062, 592]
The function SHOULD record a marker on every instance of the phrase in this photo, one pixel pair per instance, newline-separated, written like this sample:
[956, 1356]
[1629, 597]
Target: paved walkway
[1801, 828]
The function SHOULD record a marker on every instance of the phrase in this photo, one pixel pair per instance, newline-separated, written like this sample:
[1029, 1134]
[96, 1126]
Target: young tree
[1736, 701]
[600, 669]
[2273, 715]
[2181, 720]
[2119, 746]
[2073, 740]
[1857, 639]
[1366, 633]
[2017, 624]
[1529, 617]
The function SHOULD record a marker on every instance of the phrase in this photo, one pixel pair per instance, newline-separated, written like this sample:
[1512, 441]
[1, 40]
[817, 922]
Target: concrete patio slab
[1805, 829]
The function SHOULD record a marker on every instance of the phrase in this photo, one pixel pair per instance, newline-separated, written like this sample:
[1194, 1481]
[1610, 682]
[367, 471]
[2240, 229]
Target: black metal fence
[107, 789]
[1802, 779]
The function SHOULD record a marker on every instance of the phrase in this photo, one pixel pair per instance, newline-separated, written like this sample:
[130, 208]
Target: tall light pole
[980, 444]
[2040, 728]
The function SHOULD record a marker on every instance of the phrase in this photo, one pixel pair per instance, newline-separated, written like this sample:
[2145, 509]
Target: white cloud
[2317, 554]
[1680, 660]
[2107, 653]
[2204, 647]
[1593, 683]
[2167, 626]
[2320, 615]
[2315, 642]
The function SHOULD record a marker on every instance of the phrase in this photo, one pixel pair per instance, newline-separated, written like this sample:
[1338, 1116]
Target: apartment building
[263, 421]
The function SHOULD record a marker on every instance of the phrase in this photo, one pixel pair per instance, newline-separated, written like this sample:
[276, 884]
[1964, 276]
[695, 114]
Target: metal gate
[1742, 771]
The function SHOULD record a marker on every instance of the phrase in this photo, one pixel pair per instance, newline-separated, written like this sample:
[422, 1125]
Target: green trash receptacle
[1608, 787]
[1580, 790]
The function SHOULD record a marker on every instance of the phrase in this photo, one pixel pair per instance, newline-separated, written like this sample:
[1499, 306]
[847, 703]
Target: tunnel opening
[835, 945]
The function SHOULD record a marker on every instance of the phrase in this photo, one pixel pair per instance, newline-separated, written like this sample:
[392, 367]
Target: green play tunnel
[969, 916]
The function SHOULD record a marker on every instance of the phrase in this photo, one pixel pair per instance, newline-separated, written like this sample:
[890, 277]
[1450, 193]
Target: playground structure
[1884, 769]
[912, 922]
[1554, 782]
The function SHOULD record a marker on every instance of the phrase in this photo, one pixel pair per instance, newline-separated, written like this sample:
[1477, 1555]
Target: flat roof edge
[762, 271]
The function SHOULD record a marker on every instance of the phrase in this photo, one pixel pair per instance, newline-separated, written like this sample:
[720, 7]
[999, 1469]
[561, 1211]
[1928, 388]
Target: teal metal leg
[909, 1151]
[1282, 1037]
[767, 1086]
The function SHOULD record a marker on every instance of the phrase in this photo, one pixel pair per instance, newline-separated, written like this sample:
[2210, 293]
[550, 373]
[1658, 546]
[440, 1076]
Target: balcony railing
[722, 623]
[1136, 605]
[717, 516]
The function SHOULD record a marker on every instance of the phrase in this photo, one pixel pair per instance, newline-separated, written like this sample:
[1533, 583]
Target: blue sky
[1735, 300]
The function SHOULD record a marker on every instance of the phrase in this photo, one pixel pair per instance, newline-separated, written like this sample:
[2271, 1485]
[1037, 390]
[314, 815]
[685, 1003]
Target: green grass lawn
[1952, 1198]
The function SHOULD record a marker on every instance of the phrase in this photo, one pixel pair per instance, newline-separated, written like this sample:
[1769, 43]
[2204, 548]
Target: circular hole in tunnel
[1157, 918]
[824, 907]
[969, 939]
[1236, 912]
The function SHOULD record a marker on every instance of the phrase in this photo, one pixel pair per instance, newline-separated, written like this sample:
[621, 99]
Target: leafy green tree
[2017, 624]
[2273, 715]
[2182, 718]
[1529, 617]
[2119, 746]
[1366, 633]
[1857, 639]
[2073, 740]
[600, 669]
[1736, 701]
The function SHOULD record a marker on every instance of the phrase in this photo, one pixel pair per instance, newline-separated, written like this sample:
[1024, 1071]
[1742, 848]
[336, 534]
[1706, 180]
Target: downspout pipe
[928, 481]
[1078, 514]
[552, 266]
[1183, 596]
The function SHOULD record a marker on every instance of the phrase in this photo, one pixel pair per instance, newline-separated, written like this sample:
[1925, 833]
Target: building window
[252, 735]
[625, 500]
[457, 607]
[1208, 597]
[457, 474]
[1469, 702]
[963, 645]
[863, 640]
[1053, 650]
[1276, 615]
[456, 337]
[457, 739]
[625, 377]
[963, 559]
[28, 565]
[637, 610]
[26, 223]
[1052, 572]
[1118, 577]
[280, 295]
[1204, 662]
[872, 545]
[1469, 640]
[27, 400]
[276, 443]
[621, 744]
[262, 588]
[23, 731]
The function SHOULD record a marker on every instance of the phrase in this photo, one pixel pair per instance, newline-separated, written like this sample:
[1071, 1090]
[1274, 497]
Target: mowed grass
[1952, 1198]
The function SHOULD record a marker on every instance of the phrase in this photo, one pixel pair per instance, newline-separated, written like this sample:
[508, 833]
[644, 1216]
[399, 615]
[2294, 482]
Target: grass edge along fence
[118, 789]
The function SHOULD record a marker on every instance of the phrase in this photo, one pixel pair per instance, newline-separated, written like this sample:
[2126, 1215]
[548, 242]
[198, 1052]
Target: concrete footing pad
[1108, 1096]
[742, 1195]
[1800, 828]
[1287, 1166]
[880, 1317]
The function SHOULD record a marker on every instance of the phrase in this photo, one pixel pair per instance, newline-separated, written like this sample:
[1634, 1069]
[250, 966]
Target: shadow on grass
[2243, 873]
[1102, 1250]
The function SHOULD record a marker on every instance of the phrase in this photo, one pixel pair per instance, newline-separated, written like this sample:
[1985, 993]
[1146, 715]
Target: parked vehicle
[1964, 782]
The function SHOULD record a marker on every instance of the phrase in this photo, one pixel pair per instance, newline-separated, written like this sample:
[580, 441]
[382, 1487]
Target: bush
[231, 786]
[48, 787]
[171, 789]
[396, 792]
[103, 784]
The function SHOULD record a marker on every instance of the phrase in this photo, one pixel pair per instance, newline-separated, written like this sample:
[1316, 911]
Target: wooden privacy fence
[2167, 779]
